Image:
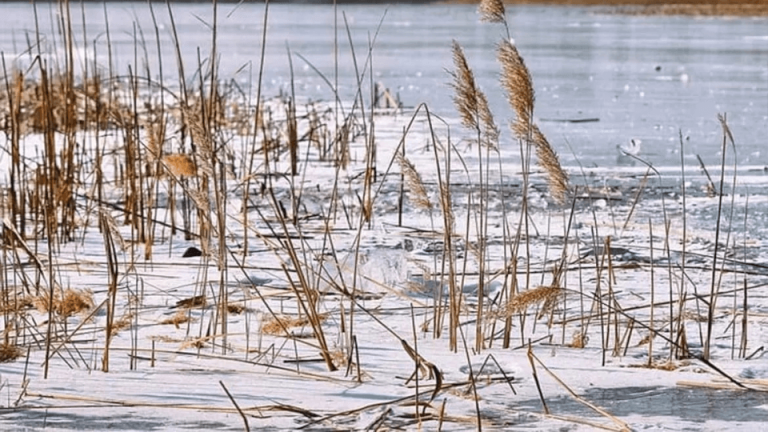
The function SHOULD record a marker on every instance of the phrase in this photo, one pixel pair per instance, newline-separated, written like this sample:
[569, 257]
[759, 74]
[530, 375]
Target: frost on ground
[329, 320]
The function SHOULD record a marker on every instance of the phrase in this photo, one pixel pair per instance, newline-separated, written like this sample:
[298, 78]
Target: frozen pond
[642, 77]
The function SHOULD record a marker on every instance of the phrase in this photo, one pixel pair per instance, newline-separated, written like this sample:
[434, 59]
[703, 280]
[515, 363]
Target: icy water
[631, 77]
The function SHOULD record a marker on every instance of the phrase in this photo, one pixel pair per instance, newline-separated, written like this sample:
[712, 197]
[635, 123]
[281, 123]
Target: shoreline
[713, 8]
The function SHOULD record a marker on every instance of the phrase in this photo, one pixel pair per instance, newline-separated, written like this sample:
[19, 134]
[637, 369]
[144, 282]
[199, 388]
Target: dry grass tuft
[192, 302]
[16, 305]
[71, 302]
[179, 318]
[202, 137]
[545, 295]
[463, 84]
[275, 326]
[9, 353]
[180, 165]
[235, 308]
[580, 340]
[492, 11]
[123, 323]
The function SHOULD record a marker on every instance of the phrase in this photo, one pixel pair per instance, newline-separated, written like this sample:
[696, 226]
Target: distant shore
[660, 7]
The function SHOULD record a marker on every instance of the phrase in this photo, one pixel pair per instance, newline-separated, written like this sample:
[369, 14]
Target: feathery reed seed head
[492, 11]
[465, 98]
[471, 102]
[418, 193]
[180, 164]
[548, 160]
[545, 295]
[516, 80]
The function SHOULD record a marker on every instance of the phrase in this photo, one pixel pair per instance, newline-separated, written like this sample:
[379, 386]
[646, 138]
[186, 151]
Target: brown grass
[180, 317]
[180, 165]
[71, 302]
[275, 326]
[471, 102]
[545, 295]
[9, 353]
[235, 308]
[192, 302]
[123, 323]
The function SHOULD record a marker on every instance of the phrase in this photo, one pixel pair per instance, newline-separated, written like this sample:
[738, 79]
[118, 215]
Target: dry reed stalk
[492, 11]
[623, 426]
[418, 194]
[154, 140]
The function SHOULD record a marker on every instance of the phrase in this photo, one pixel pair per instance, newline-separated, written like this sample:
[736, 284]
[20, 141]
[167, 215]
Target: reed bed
[292, 247]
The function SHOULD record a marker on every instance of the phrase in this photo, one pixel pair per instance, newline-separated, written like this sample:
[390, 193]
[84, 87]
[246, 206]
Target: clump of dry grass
[9, 352]
[16, 305]
[277, 324]
[548, 160]
[179, 318]
[547, 296]
[517, 82]
[180, 165]
[71, 302]
[192, 302]
[235, 308]
[580, 340]
[123, 323]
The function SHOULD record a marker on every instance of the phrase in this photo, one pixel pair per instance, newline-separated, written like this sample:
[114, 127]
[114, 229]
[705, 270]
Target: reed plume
[418, 195]
[201, 137]
[516, 80]
[492, 11]
[471, 102]
[549, 161]
[545, 295]
[180, 164]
